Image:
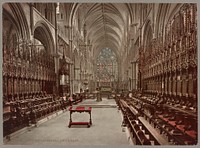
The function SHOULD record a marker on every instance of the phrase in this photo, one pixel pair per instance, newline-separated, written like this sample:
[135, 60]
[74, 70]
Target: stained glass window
[107, 69]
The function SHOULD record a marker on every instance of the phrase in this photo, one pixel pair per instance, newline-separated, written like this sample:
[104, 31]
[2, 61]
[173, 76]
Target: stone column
[56, 56]
[134, 74]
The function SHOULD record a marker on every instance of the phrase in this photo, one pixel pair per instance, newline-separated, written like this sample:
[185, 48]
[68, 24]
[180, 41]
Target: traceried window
[107, 68]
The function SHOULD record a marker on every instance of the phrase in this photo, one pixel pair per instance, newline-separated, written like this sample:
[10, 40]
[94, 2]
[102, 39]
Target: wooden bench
[142, 139]
[153, 134]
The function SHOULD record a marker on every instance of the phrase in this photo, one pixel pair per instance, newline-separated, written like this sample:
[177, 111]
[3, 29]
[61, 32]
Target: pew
[142, 139]
[153, 134]
[169, 120]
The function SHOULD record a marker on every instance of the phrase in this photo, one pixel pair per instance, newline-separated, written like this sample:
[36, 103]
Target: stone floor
[106, 128]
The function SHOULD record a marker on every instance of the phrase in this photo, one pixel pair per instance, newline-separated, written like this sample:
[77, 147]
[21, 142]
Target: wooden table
[80, 109]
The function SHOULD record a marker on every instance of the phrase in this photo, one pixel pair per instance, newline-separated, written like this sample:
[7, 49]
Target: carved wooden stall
[171, 68]
[28, 81]
[169, 76]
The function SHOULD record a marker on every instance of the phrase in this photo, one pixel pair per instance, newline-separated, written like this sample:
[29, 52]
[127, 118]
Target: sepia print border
[84, 1]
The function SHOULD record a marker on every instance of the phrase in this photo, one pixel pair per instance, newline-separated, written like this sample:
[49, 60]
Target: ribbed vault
[106, 25]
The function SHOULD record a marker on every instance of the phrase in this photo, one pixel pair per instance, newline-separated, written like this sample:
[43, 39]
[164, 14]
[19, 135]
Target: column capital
[133, 62]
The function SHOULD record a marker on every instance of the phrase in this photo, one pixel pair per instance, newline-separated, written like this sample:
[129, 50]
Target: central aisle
[106, 128]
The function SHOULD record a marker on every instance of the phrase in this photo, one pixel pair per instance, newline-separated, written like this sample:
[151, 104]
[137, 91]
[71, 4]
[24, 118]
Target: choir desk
[80, 109]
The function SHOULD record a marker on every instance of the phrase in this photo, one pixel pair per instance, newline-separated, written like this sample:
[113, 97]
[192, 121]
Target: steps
[99, 105]
[105, 103]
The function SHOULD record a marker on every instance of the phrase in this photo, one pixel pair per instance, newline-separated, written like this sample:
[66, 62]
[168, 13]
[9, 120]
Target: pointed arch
[16, 14]
[43, 34]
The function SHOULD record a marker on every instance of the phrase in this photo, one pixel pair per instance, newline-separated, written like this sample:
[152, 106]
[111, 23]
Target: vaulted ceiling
[106, 24]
